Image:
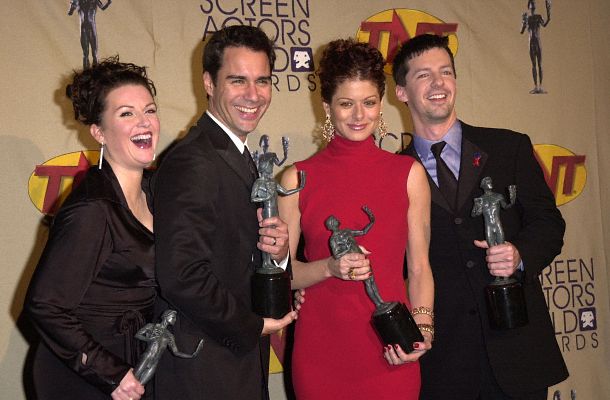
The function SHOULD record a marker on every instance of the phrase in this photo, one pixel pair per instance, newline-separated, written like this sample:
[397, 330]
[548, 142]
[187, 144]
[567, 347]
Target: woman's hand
[394, 355]
[129, 388]
[351, 266]
[299, 299]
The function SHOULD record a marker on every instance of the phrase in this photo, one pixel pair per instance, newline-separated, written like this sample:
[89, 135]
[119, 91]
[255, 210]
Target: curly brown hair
[90, 87]
[346, 59]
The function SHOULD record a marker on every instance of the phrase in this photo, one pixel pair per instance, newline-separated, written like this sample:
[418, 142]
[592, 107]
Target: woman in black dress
[94, 286]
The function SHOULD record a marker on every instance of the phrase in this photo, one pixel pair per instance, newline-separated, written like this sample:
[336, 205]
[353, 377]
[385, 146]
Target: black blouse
[94, 285]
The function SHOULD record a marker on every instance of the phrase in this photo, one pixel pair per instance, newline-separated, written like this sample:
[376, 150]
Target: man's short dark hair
[250, 37]
[416, 47]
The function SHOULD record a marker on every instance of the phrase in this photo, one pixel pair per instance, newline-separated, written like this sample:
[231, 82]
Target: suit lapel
[226, 150]
[435, 193]
[472, 161]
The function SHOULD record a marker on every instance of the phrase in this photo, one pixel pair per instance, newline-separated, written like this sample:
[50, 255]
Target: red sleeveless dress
[337, 354]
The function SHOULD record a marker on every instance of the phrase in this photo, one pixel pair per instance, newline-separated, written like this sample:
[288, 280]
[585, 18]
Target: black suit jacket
[206, 233]
[524, 359]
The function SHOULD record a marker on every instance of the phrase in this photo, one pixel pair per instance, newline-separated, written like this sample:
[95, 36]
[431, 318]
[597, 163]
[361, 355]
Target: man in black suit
[208, 233]
[469, 360]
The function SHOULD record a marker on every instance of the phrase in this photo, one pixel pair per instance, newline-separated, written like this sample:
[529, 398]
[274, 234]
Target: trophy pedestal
[271, 295]
[395, 325]
[506, 304]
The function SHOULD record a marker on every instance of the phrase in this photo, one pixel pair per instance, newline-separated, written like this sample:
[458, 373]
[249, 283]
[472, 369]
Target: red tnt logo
[49, 185]
[388, 29]
[564, 171]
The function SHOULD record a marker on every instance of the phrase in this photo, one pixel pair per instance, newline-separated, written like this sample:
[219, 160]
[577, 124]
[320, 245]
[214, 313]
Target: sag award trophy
[392, 321]
[270, 284]
[158, 338]
[505, 297]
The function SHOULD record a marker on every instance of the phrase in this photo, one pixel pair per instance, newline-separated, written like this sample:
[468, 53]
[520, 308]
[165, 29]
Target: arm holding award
[348, 272]
[505, 297]
[391, 320]
[270, 283]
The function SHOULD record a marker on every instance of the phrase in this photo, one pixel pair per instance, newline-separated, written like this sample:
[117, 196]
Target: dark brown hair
[416, 47]
[90, 87]
[250, 37]
[345, 59]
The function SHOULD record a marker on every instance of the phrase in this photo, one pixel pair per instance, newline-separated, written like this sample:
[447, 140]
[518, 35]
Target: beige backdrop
[41, 45]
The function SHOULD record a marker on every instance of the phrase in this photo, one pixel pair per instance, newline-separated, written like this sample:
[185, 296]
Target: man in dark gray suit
[469, 360]
[208, 233]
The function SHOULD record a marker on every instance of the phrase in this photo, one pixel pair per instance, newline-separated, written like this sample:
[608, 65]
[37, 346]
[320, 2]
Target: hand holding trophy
[270, 284]
[392, 321]
[505, 298]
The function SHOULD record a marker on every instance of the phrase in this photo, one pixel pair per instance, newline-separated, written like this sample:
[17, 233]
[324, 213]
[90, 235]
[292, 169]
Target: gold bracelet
[423, 310]
[427, 328]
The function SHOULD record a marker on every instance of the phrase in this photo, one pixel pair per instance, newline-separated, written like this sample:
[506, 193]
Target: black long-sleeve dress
[93, 288]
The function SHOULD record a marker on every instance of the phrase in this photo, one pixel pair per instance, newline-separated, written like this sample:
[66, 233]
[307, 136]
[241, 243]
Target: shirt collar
[453, 138]
[236, 140]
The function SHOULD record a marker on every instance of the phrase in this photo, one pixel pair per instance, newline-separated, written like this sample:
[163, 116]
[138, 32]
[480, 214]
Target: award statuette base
[506, 304]
[271, 295]
[395, 325]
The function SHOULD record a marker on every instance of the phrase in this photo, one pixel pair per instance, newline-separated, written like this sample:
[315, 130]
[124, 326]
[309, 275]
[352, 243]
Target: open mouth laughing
[143, 140]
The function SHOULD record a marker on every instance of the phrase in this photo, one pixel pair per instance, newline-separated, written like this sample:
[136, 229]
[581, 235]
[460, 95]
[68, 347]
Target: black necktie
[447, 183]
[251, 166]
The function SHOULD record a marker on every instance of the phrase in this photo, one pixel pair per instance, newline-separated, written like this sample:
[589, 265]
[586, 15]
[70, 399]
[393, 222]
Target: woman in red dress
[337, 353]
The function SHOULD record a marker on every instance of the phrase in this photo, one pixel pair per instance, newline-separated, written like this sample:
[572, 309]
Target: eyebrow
[129, 106]
[374, 96]
[266, 77]
[430, 68]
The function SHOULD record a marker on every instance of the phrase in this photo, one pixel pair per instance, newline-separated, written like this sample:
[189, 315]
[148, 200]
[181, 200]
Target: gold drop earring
[382, 128]
[328, 129]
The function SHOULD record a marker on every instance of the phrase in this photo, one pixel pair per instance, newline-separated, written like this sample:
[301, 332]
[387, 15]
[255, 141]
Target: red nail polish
[416, 345]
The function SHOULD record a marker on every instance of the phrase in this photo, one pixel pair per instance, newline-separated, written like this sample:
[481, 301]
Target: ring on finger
[351, 274]
[274, 242]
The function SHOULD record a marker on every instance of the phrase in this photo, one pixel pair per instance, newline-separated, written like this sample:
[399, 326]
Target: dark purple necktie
[447, 183]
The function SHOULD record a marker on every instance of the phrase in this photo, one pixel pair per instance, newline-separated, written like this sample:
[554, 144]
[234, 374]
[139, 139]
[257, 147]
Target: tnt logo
[564, 171]
[388, 29]
[301, 59]
[587, 319]
[52, 181]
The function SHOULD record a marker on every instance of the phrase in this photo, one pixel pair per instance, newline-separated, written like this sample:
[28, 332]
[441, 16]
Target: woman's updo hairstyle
[346, 59]
[90, 87]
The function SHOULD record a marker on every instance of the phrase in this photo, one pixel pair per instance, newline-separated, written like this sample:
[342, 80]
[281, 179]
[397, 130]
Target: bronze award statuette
[505, 297]
[271, 295]
[392, 321]
[159, 338]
